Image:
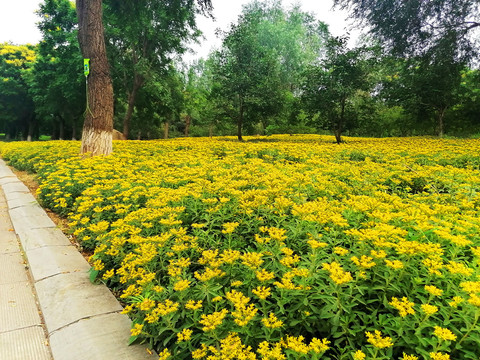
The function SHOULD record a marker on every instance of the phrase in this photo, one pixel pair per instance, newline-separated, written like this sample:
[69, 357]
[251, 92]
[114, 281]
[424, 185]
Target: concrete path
[48, 307]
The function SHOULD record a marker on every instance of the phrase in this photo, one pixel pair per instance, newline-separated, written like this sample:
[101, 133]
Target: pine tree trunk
[98, 124]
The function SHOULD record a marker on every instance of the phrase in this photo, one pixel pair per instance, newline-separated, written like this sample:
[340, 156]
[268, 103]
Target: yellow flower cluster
[232, 250]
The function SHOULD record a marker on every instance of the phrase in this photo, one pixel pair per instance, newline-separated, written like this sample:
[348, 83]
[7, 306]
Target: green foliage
[329, 87]
[16, 105]
[258, 69]
[58, 84]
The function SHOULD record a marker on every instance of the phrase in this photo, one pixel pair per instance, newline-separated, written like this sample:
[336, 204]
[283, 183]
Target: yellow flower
[439, 356]
[457, 300]
[264, 275]
[318, 346]
[146, 304]
[377, 340]
[359, 355]
[444, 334]
[365, 262]
[208, 274]
[275, 353]
[252, 259]
[409, 357]
[296, 344]
[394, 264]
[434, 290]
[181, 285]
[108, 274]
[243, 314]
[404, 306]
[230, 227]
[136, 330]
[459, 268]
[337, 274]
[429, 309]
[184, 335]
[211, 321]
[164, 355]
[192, 305]
[262, 292]
[340, 250]
[272, 321]
[200, 353]
[472, 287]
[474, 300]
[380, 254]
[236, 283]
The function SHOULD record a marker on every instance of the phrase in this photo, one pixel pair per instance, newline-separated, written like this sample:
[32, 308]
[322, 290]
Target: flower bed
[286, 247]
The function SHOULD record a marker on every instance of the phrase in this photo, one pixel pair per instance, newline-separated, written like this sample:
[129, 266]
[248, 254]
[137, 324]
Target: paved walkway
[48, 308]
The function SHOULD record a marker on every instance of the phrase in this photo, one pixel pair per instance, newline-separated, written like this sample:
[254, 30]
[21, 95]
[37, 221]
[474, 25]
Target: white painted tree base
[96, 142]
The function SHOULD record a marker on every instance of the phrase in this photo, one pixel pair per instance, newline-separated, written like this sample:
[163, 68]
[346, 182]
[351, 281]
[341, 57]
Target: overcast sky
[18, 20]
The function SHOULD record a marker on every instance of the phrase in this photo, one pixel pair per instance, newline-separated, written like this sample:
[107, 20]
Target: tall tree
[142, 49]
[330, 86]
[98, 125]
[17, 114]
[260, 62]
[57, 86]
[414, 26]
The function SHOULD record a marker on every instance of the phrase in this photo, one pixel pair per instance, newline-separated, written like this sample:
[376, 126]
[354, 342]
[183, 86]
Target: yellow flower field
[281, 247]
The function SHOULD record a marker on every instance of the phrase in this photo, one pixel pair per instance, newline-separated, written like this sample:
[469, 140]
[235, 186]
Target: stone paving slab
[21, 199]
[16, 186]
[12, 268]
[8, 243]
[4, 170]
[8, 179]
[37, 238]
[18, 307]
[24, 344]
[31, 210]
[53, 260]
[79, 341]
[67, 298]
[24, 223]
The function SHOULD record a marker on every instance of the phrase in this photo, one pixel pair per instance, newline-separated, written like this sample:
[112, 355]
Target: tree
[142, 49]
[330, 86]
[98, 125]
[17, 114]
[413, 27]
[58, 85]
[259, 65]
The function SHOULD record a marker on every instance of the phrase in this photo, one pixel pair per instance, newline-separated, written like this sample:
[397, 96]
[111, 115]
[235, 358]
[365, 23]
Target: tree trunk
[441, 123]
[98, 124]
[165, 129]
[188, 121]
[339, 125]
[240, 121]
[61, 126]
[74, 130]
[132, 96]
[210, 130]
[31, 127]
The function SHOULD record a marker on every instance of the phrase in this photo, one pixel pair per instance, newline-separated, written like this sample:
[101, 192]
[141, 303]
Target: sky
[18, 20]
